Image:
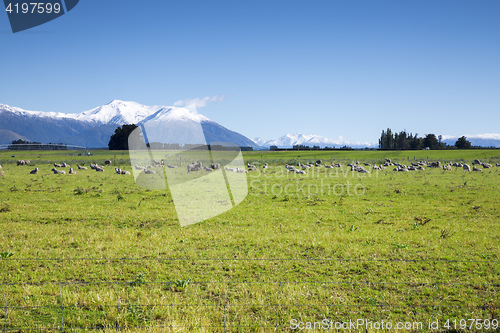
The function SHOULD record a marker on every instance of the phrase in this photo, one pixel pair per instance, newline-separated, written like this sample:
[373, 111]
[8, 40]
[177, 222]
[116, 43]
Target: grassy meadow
[95, 251]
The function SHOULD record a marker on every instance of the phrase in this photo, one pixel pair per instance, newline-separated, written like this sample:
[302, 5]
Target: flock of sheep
[362, 168]
[93, 166]
[300, 169]
[447, 167]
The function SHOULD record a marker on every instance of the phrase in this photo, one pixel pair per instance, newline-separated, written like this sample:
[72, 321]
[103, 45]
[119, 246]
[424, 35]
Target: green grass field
[93, 250]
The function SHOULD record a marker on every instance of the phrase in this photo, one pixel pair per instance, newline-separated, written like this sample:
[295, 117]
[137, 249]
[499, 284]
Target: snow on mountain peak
[290, 140]
[118, 112]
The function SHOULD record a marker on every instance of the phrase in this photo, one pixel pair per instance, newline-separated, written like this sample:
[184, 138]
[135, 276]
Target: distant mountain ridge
[290, 140]
[93, 128]
[482, 140]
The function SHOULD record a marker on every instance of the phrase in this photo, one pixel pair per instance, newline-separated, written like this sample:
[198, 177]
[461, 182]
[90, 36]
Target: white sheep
[34, 172]
[58, 172]
[72, 172]
[121, 172]
[466, 167]
[82, 167]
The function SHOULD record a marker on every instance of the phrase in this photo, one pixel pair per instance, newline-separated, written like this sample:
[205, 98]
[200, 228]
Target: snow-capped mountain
[118, 113]
[290, 140]
[93, 128]
[483, 140]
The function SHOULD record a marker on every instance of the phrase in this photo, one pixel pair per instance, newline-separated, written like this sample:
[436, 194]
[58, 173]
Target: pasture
[93, 250]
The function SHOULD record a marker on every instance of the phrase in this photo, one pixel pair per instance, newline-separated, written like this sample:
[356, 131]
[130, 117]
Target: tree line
[27, 145]
[404, 141]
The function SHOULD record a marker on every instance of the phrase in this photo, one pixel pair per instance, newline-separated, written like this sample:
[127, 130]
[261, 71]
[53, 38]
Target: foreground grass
[94, 250]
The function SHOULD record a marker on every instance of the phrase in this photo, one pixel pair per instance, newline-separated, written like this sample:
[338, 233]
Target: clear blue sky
[332, 68]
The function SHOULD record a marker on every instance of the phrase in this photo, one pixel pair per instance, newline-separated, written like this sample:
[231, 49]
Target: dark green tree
[119, 140]
[431, 141]
[462, 143]
[386, 140]
[416, 142]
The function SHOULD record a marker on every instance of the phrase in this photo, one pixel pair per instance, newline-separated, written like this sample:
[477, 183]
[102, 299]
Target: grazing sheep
[194, 167]
[476, 169]
[23, 162]
[108, 162]
[57, 165]
[486, 165]
[447, 167]
[300, 172]
[99, 169]
[121, 172]
[171, 166]
[267, 166]
[436, 164]
[208, 169]
[58, 172]
[72, 172]
[420, 168]
[1, 166]
[82, 167]
[138, 167]
[34, 172]
[215, 166]
[149, 172]
[476, 162]
[498, 165]
[466, 167]
[64, 165]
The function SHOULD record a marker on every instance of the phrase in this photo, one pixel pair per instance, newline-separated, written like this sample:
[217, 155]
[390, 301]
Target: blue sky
[332, 68]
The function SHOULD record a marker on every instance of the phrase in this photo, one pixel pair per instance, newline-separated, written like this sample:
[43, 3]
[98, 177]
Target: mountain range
[482, 140]
[93, 128]
[290, 140]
